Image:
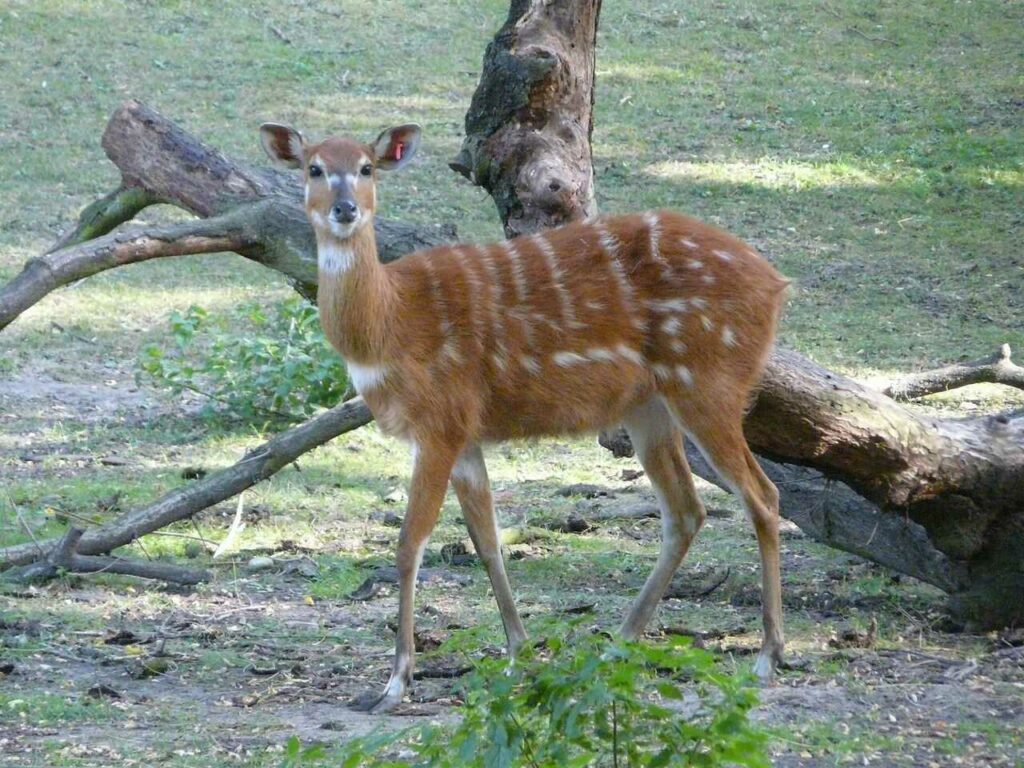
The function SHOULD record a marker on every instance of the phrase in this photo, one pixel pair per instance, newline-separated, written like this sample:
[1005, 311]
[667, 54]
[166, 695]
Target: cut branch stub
[529, 125]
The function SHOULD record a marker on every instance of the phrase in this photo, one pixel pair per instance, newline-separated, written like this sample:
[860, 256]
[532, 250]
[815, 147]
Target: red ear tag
[399, 146]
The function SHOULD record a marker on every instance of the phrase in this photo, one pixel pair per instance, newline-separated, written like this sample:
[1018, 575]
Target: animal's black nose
[344, 211]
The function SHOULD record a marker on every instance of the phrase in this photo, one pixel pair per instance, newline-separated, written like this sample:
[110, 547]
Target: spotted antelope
[654, 320]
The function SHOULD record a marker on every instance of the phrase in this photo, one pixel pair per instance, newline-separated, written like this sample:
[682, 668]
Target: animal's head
[340, 174]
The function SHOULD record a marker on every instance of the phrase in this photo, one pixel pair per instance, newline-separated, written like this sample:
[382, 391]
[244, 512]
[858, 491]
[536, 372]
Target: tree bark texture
[529, 124]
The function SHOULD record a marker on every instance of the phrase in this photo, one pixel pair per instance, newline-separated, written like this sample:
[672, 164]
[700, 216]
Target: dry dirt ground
[110, 672]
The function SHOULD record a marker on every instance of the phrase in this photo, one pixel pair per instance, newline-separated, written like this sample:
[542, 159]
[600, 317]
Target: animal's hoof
[764, 667]
[375, 703]
[365, 702]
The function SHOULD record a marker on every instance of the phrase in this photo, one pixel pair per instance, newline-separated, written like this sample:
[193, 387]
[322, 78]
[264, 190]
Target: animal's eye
[366, 170]
[315, 171]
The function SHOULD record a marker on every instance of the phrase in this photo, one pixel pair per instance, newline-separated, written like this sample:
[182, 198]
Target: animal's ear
[396, 146]
[283, 144]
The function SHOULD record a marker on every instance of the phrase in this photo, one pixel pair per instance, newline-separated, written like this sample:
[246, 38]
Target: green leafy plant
[252, 365]
[586, 701]
[295, 755]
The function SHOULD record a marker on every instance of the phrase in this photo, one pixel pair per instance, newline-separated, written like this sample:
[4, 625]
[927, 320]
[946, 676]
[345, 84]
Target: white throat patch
[334, 258]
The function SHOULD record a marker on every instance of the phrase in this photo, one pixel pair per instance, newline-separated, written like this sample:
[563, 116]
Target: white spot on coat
[671, 325]
[630, 354]
[567, 359]
[728, 337]
[685, 375]
[365, 377]
[601, 354]
[666, 305]
[689, 243]
[530, 364]
[723, 255]
[706, 322]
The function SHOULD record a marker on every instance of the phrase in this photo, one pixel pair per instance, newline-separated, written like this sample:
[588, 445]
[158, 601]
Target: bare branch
[62, 558]
[182, 503]
[994, 369]
[46, 273]
[105, 214]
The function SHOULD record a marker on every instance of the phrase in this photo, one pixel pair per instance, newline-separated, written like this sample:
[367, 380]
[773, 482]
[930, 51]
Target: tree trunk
[529, 124]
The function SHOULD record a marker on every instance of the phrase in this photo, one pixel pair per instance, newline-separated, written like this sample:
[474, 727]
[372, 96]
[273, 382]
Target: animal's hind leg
[659, 447]
[717, 431]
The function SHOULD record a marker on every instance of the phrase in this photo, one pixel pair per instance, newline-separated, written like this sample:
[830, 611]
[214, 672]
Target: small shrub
[253, 365]
[587, 702]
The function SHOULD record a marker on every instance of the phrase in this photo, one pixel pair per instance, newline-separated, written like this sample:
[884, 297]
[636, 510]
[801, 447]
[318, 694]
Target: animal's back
[563, 330]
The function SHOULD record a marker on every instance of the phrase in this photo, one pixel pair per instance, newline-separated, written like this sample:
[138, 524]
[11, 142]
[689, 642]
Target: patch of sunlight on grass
[769, 173]
[640, 72]
[110, 307]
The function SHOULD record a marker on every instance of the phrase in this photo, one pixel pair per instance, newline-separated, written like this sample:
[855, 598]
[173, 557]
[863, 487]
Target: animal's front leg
[433, 465]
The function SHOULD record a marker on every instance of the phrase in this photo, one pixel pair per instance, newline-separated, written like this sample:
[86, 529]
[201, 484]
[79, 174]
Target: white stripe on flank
[689, 243]
[601, 354]
[671, 326]
[611, 247]
[451, 351]
[666, 305]
[723, 255]
[475, 257]
[449, 348]
[365, 377]
[630, 354]
[654, 233]
[530, 364]
[558, 280]
[467, 254]
[566, 359]
[515, 261]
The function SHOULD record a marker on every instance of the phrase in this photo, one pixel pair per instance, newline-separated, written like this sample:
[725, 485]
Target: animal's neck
[354, 295]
